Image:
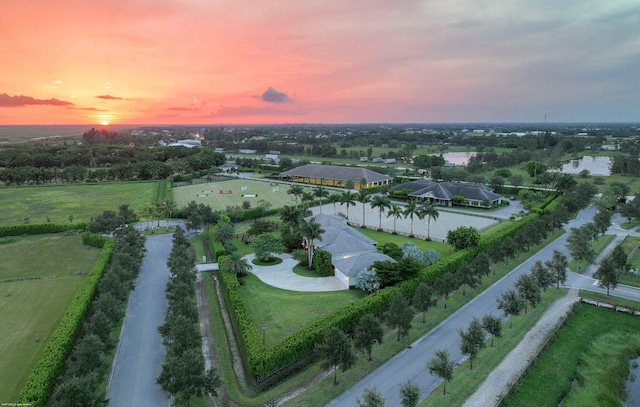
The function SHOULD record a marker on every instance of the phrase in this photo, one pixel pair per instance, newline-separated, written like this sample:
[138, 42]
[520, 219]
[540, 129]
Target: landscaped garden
[39, 278]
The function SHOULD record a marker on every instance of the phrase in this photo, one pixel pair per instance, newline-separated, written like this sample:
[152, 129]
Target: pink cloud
[21, 101]
[109, 97]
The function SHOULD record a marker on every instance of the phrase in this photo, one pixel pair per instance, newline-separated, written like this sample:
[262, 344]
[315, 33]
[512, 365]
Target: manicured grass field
[209, 194]
[551, 379]
[385, 237]
[285, 312]
[81, 201]
[35, 307]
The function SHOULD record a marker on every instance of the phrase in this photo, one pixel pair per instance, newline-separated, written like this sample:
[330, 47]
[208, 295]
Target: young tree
[400, 315]
[429, 211]
[336, 352]
[266, 246]
[371, 397]
[368, 332]
[558, 267]
[542, 275]
[494, 251]
[409, 394]
[493, 325]
[463, 237]
[509, 249]
[511, 304]
[579, 244]
[381, 203]
[422, 299]
[472, 340]
[442, 366]
[445, 285]
[607, 274]
[395, 211]
[467, 277]
[529, 290]
[481, 265]
[264, 206]
[620, 259]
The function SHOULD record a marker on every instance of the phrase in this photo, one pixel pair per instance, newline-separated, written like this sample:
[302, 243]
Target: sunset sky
[329, 61]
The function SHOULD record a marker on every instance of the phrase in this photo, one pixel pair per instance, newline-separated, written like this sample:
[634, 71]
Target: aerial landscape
[304, 204]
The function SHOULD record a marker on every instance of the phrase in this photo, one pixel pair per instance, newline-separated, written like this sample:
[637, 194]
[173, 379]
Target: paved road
[140, 350]
[411, 363]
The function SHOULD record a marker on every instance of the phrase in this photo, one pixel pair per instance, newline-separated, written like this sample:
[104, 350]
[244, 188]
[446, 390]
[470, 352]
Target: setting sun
[104, 123]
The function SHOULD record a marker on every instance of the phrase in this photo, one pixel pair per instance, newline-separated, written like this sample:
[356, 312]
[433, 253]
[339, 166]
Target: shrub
[322, 262]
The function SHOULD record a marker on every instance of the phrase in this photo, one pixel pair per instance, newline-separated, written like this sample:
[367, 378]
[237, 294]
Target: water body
[459, 157]
[633, 384]
[595, 165]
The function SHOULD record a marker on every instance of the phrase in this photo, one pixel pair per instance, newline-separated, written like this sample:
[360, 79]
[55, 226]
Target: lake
[595, 165]
[459, 157]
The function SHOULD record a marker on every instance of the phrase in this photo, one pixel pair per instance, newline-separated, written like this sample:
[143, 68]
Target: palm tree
[363, 197]
[296, 191]
[409, 211]
[145, 213]
[290, 216]
[381, 202]
[348, 198]
[234, 263]
[306, 198]
[320, 192]
[168, 207]
[311, 231]
[395, 211]
[430, 212]
[158, 208]
[333, 199]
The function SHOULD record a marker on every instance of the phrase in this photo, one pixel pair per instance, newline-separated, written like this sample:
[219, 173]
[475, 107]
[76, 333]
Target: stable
[335, 175]
[448, 193]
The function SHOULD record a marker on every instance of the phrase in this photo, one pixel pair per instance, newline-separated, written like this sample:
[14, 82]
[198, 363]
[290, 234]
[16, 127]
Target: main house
[444, 193]
[351, 251]
[335, 175]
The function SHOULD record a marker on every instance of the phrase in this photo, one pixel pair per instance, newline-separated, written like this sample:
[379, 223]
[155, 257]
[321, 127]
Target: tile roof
[446, 190]
[335, 172]
[352, 265]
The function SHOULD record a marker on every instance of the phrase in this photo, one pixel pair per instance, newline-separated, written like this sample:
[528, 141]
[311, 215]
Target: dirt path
[517, 360]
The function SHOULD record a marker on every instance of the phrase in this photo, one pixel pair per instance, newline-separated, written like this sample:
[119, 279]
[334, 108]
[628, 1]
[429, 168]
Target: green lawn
[553, 376]
[60, 202]
[385, 237]
[35, 307]
[285, 312]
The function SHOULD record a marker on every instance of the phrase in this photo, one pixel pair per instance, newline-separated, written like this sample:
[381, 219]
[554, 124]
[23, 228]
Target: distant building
[390, 161]
[364, 159]
[228, 167]
[247, 151]
[378, 160]
[271, 156]
[219, 149]
[186, 143]
[334, 175]
[442, 193]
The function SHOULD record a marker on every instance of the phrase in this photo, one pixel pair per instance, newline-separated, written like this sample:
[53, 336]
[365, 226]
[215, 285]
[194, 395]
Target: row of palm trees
[156, 210]
[380, 202]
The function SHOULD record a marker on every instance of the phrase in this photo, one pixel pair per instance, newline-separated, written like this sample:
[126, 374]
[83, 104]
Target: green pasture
[54, 271]
[209, 194]
[80, 201]
[384, 237]
[575, 352]
[285, 312]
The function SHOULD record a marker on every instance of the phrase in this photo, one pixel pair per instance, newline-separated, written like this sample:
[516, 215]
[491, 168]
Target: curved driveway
[140, 351]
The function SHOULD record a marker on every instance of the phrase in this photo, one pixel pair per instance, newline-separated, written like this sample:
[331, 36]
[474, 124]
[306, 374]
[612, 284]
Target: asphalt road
[140, 350]
[410, 364]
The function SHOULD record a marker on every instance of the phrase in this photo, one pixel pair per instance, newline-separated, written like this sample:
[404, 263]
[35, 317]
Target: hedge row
[263, 361]
[40, 228]
[92, 239]
[46, 372]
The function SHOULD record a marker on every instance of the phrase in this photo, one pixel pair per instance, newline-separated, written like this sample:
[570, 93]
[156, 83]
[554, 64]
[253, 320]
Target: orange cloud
[22, 101]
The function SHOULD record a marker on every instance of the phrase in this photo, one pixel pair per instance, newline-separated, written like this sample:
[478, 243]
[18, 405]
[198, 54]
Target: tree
[607, 274]
[579, 244]
[472, 340]
[542, 275]
[602, 220]
[307, 197]
[234, 263]
[291, 216]
[363, 196]
[509, 249]
[429, 211]
[395, 211]
[78, 391]
[511, 304]
[493, 325]
[409, 211]
[371, 397]
[320, 192]
[336, 352]
[266, 246]
[442, 366]
[494, 251]
[620, 259]
[409, 394]
[422, 299]
[334, 198]
[558, 267]
[481, 265]
[224, 232]
[529, 290]
[400, 315]
[463, 236]
[296, 191]
[535, 168]
[368, 332]
[445, 285]
[467, 277]
[169, 207]
[348, 198]
[368, 280]
[311, 231]
[264, 206]
[381, 203]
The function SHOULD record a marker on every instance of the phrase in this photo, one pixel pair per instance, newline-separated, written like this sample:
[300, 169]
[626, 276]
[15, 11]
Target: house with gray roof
[443, 193]
[335, 175]
[351, 251]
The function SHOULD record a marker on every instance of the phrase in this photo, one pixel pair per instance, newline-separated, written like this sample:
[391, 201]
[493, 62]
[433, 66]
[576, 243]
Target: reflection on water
[632, 387]
[595, 165]
[459, 157]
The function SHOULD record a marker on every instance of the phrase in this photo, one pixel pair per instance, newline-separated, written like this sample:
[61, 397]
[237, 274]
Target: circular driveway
[282, 276]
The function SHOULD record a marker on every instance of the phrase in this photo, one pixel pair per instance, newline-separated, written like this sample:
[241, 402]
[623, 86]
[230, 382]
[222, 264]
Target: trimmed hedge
[40, 228]
[45, 374]
[217, 249]
[92, 239]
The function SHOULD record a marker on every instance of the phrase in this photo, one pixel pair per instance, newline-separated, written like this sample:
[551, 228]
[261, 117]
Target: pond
[459, 157]
[595, 165]
[632, 387]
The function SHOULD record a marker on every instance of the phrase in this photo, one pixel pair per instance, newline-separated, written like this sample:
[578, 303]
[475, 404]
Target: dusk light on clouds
[201, 61]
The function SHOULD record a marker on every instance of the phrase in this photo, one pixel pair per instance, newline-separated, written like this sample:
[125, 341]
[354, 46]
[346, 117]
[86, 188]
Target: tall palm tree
[291, 216]
[306, 198]
[234, 263]
[168, 207]
[395, 211]
[380, 202]
[333, 198]
[311, 231]
[348, 198]
[430, 212]
[320, 192]
[409, 211]
[145, 213]
[296, 191]
[363, 197]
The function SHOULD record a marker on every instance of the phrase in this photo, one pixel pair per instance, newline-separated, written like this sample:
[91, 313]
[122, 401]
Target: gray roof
[336, 172]
[446, 190]
[352, 265]
[340, 239]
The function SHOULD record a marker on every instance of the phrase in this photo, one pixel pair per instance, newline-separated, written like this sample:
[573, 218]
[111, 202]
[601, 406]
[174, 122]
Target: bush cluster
[40, 228]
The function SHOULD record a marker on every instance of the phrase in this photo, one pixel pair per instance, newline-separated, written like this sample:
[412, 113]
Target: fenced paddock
[208, 193]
